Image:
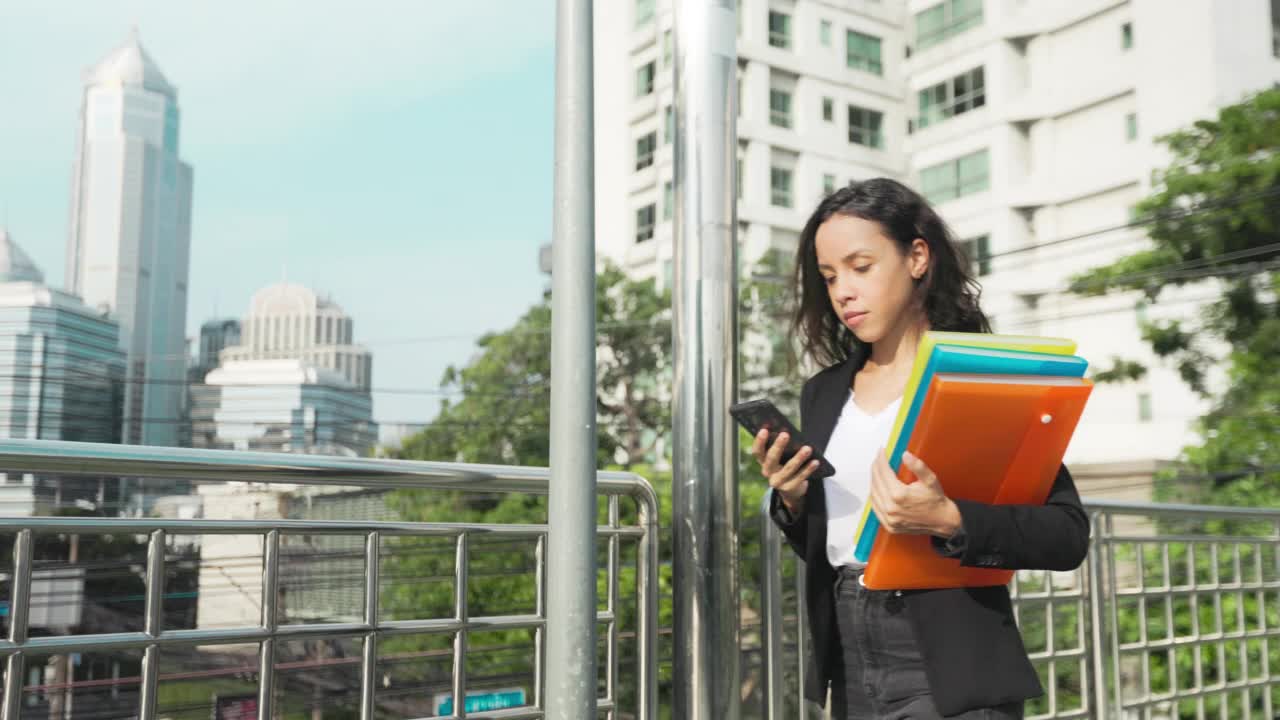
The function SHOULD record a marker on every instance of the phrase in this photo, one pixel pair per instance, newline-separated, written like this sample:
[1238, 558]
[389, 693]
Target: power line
[1193, 211]
[1031, 318]
[1229, 201]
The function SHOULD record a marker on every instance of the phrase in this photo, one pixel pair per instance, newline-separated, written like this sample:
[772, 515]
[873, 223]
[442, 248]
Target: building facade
[215, 336]
[283, 406]
[61, 374]
[130, 237]
[287, 320]
[1030, 124]
[819, 104]
[1034, 129]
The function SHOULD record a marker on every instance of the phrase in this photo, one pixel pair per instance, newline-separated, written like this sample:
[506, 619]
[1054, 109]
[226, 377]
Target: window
[946, 20]
[956, 178]
[977, 253]
[780, 187]
[824, 33]
[739, 176]
[779, 30]
[644, 79]
[666, 48]
[828, 184]
[959, 95]
[669, 125]
[645, 145]
[1275, 28]
[864, 127]
[644, 12]
[862, 52]
[780, 108]
[668, 200]
[1131, 127]
[644, 223]
[1126, 36]
[1144, 407]
[828, 110]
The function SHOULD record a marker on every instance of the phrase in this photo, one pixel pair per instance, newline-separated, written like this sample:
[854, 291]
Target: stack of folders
[992, 416]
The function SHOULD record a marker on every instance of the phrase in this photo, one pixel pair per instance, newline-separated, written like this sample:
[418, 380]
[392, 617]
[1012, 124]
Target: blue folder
[970, 360]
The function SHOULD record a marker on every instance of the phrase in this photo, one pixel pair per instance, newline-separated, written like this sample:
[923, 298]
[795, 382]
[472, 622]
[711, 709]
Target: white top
[852, 448]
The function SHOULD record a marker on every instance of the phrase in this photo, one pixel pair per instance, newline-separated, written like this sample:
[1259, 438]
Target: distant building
[287, 320]
[128, 252]
[61, 375]
[284, 406]
[215, 336]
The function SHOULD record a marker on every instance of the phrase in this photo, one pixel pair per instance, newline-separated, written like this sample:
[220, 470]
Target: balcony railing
[114, 461]
[1174, 613]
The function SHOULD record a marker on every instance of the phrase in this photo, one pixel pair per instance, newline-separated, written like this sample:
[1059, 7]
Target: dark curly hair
[947, 291]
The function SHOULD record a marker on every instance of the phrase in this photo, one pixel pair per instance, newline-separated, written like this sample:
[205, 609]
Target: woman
[876, 268]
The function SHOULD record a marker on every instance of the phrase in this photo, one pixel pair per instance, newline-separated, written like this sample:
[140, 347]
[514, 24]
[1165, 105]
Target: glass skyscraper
[130, 235]
[61, 372]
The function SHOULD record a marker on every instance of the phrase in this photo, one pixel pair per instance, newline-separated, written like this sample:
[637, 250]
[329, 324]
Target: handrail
[1122, 507]
[73, 458]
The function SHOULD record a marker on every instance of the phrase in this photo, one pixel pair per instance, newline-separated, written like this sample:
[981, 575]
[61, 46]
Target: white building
[295, 383]
[1034, 132]
[130, 236]
[287, 320]
[284, 406]
[807, 69]
[1029, 123]
[61, 375]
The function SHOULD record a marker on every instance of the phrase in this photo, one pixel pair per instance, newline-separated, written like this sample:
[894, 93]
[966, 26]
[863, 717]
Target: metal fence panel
[368, 628]
[1175, 613]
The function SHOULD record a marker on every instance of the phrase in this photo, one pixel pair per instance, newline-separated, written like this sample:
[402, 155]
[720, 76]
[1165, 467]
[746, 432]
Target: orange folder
[988, 438]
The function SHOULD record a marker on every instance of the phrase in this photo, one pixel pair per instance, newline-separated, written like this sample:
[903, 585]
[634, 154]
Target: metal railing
[56, 458]
[1175, 613]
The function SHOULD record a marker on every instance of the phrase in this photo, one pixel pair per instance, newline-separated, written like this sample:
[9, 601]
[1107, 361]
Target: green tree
[502, 417]
[503, 411]
[1214, 221]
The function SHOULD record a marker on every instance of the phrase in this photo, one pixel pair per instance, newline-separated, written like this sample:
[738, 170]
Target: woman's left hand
[918, 508]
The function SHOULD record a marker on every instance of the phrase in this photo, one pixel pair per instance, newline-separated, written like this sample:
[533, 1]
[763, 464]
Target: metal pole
[153, 624]
[19, 615]
[647, 560]
[369, 657]
[775, 706]
[802, 642]
[270, 622]
[571, 551]
[705, 496]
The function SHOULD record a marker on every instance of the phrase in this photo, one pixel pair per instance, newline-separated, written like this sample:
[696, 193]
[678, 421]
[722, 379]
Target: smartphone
[757, 415]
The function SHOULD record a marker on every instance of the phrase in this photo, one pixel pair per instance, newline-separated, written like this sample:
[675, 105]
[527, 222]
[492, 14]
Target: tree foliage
[502, 416]
[1214, 221]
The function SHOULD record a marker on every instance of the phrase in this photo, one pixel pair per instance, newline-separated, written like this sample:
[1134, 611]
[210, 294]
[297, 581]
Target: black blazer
[972, 648]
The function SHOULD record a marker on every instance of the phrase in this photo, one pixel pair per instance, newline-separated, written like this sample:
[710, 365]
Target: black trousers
[880, 663]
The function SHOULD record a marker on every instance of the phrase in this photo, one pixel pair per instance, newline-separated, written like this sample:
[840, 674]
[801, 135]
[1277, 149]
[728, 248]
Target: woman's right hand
[791, 480]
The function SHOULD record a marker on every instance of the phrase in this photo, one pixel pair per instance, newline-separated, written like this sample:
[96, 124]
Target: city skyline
[368, 151]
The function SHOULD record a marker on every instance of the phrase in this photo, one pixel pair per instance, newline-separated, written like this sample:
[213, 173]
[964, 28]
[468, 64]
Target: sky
[394, 154]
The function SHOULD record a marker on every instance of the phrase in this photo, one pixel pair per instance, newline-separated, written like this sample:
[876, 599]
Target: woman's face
[869, 281]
